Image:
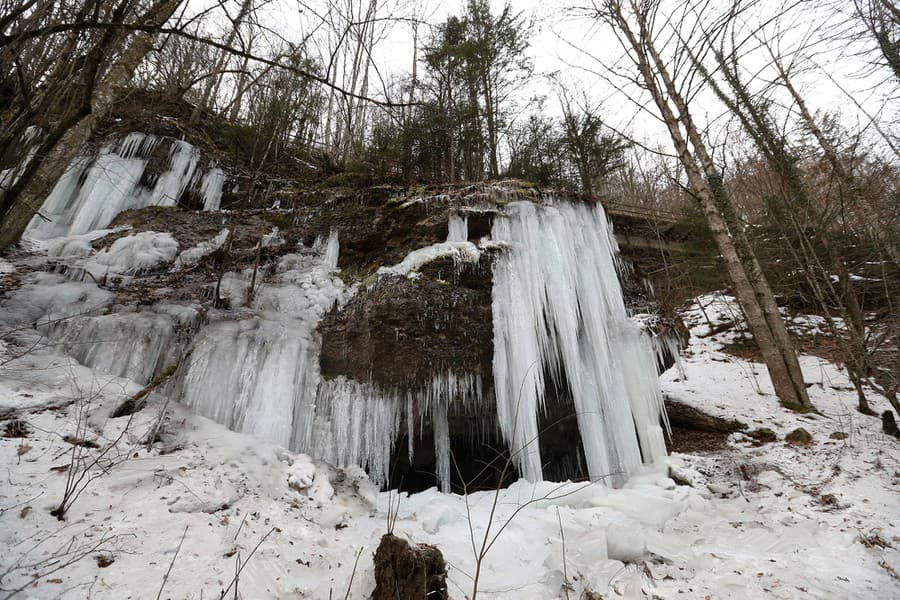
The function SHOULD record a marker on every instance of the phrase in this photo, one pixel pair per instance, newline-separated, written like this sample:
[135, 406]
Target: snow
[47, 297]
[139, 253]
[770, 535]
[302, 473]
[460, 252]
[191, 256]
[6, 267]
[776, 520]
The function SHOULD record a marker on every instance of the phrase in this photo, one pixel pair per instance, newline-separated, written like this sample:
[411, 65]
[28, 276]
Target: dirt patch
[799, 437]
[15, 428]
[696, 431]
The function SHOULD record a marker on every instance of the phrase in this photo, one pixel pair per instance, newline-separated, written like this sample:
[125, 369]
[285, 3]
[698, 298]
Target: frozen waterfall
[564, 345]
[559, 322]
[559, 313]
[258, 371]
[122, 176]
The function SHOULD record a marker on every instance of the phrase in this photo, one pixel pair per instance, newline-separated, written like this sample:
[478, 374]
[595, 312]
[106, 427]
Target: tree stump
[404, 570]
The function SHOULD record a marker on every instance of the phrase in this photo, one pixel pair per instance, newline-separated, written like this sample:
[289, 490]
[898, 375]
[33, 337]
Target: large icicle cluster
[96, 188]
[358, 423]
[558, 311]
[559, 323]
[259, 374]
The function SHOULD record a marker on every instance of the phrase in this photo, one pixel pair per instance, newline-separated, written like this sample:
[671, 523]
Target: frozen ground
[777, 521]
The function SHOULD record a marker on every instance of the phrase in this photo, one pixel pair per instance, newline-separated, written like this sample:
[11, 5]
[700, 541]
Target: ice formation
[358, 423]
[137, 343]
[460, 252]
[259, 374]
[96, 188]
[45, 298]
[117, 265]
[457, 228]
[31, 141]
[559, 321]
[139, 253]
[559, 312]
[192, 256]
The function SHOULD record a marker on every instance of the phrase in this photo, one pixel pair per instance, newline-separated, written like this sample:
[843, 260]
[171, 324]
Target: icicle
[332, 249]
[558, 308]
[441, 444]
[358, 423]
[458, 229]
[667, 346]
[211, 188]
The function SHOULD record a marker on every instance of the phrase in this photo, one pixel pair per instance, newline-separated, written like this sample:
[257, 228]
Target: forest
[558, 276]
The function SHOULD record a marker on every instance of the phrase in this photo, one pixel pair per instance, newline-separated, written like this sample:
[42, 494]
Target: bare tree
[638, 27]
[881, 21]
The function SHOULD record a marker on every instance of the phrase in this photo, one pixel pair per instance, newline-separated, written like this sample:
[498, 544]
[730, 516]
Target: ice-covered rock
[139, 253]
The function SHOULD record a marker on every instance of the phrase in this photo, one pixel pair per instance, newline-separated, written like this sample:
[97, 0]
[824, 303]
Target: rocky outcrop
[401, 331]
[410, 337]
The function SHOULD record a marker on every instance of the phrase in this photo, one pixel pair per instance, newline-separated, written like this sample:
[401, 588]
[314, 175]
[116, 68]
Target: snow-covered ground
[206, 510]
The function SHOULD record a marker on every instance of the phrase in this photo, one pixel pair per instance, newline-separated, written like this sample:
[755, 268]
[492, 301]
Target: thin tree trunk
[751, 287]
[211, 89]
[887, 239]
[756, 122]
[235, 109]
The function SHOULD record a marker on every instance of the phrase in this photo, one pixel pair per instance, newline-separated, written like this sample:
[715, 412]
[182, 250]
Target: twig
[171, 564]
[353, 574]
[244, 564]
[562, 535]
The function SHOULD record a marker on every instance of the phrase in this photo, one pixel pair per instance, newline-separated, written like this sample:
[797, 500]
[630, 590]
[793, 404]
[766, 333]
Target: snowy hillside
[208, 510]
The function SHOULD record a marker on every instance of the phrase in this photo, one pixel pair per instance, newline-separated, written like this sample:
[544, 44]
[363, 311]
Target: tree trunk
[887, 239]
[211, 89]
[750, 285]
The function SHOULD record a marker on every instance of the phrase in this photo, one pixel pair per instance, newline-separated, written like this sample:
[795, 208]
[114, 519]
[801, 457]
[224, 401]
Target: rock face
[361, 327]
[401, 331]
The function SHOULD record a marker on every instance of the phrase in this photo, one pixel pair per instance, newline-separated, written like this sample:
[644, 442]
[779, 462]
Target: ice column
[457, 229]
[558, 309]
